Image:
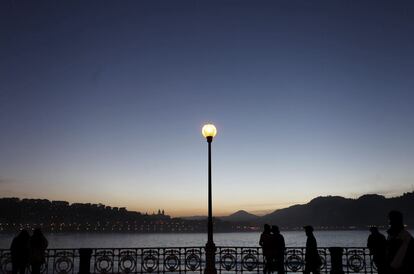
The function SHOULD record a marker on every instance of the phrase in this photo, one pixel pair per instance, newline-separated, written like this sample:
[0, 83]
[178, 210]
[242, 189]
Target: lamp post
[209, 131]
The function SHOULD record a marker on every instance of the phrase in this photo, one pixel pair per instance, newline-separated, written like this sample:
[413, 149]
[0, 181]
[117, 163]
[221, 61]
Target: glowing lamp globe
[209, 130]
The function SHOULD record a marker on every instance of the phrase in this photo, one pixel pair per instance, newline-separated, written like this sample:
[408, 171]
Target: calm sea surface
[292, 238]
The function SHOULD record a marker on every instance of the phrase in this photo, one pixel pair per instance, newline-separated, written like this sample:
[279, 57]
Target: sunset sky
[103, 101]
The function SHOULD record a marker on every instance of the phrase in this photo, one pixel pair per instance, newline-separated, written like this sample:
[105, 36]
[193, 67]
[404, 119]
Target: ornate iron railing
[186, 260]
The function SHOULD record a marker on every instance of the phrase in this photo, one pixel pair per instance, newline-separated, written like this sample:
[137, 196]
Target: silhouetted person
[377, 245]
[20, 252]
[38, 245]
[278, 250]
[266, 243]
[312, 259]
[400, 246]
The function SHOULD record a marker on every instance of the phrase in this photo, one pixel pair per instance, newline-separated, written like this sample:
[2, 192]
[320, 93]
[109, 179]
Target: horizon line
[222, 214]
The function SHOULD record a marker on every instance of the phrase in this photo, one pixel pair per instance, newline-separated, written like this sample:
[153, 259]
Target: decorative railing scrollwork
[324, 259]
[127, 261]
[228, 258]
[188, 260]
[172, 259]
[104, 262]
[193, 259]
[250, 259]
[150, 259]
[295, 259]
[358, 260]
[63, 263]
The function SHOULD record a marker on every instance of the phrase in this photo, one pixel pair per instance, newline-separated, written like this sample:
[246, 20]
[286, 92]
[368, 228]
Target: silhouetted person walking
[278, 250]
[377, 245]
[38, 245]
[400, 246]
[266, 243]
[20, 252]
[312, 259]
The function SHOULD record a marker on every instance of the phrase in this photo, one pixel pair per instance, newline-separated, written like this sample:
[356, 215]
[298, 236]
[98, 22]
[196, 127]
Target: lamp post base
[210, 258]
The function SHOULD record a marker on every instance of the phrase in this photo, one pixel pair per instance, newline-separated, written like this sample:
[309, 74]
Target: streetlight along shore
[209, 131]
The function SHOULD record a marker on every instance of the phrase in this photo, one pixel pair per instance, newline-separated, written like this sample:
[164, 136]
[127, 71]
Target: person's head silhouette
[266, 229]
[24, 234]
[308, 230]
[275, 229]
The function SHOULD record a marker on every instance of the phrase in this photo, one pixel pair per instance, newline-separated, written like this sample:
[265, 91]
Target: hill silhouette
[339, 212]
[332, 212]
[240, 216]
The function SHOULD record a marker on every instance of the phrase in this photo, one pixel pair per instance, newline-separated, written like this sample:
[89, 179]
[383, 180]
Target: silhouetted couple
[273, 245]
[28, 250]
[394, 255]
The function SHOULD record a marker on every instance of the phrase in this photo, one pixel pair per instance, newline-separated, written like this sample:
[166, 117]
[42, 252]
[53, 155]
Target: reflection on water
[99, 240]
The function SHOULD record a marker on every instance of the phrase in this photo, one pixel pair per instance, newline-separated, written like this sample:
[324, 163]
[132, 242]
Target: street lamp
[209, 131]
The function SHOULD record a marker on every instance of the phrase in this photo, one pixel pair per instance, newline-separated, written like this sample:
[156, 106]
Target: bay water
[344, 238]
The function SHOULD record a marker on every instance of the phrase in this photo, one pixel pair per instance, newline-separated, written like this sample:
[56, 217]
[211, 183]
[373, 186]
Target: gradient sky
[103, 101]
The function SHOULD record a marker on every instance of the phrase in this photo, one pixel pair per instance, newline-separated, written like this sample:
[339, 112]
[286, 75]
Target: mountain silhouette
[240, 216]
[339, 212]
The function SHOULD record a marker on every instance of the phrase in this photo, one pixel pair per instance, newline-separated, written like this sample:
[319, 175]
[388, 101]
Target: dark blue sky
[103, 101]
